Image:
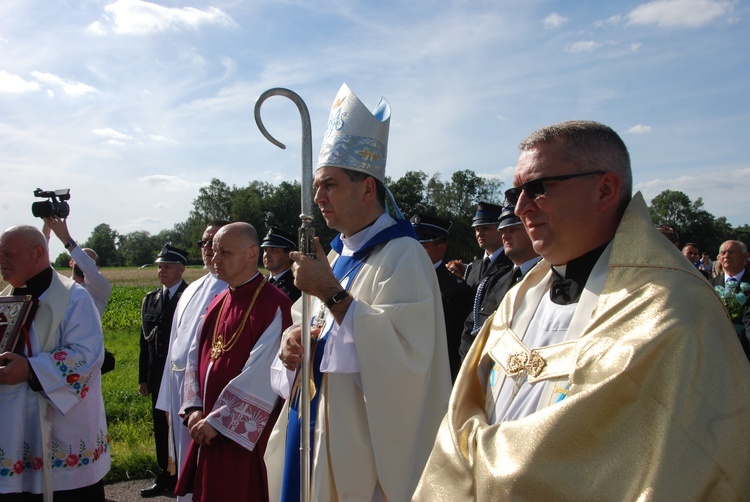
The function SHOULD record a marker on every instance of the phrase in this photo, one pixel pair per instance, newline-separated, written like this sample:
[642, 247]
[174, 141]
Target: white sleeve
[96, 284]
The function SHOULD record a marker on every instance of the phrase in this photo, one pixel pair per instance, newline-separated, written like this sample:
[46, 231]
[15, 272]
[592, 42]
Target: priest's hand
[13, 368]
[194, 418]
[291, 346]
[203, 432]
[314, 275]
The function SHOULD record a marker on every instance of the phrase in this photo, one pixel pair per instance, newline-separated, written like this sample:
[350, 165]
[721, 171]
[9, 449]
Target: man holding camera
[156, 313]
[83, 261]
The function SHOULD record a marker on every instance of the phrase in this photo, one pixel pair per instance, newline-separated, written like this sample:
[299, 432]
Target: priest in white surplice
[188, 318]
[54, 432]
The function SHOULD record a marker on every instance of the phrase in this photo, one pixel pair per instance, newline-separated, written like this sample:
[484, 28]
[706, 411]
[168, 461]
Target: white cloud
[583, 46]
[554, 20]
[679, 13]
[639, 129]
[166, 182]
[111, 133]
[157, 137]
[13, 84]
[69, 87]
[137, 17]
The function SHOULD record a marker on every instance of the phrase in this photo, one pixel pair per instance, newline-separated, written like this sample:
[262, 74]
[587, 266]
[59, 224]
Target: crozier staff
[380, 361]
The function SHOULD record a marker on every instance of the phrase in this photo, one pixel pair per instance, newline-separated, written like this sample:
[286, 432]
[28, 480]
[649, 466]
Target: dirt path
[130, 491]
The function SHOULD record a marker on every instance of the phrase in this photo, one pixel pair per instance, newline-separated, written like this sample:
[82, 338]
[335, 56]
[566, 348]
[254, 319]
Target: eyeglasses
[535, 188]
[205, 244]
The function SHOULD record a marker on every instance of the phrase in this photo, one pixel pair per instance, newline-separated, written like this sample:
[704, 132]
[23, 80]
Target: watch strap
[337, 298]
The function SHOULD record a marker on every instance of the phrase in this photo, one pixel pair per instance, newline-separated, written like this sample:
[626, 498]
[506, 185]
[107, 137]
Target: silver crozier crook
[306, 246]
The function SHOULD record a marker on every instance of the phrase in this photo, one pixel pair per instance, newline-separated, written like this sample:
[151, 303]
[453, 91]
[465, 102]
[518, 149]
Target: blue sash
[344, 266]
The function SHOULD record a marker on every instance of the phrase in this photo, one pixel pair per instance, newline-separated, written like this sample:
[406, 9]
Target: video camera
[56, 206]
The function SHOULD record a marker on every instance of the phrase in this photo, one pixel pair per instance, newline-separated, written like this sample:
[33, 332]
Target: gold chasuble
[657, 405]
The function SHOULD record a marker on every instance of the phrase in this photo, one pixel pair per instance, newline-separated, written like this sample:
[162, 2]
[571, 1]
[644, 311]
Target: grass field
[128, 413]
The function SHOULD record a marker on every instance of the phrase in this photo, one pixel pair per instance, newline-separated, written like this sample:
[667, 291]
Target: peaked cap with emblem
[171, 254]
[486, 214]
[278, 238]
[356, 139]
[429, 228]
[508, 218]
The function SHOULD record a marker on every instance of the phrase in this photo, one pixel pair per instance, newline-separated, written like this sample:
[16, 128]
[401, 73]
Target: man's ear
[369, 191]
[609, 188]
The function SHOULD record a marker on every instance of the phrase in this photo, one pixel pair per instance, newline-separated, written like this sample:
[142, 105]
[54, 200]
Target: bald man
[51, 406]
[229, 405]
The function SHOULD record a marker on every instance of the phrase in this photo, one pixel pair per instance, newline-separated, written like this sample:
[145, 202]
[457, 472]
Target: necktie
[166, 300]
[271, 280]
[485, 265]
[732, 283]
[516, 275]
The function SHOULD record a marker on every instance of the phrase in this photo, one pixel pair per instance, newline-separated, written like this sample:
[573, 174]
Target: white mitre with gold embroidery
[356, 138]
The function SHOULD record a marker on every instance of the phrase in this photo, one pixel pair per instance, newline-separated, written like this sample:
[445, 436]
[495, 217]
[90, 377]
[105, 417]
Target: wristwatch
[70, 245]
[337, 298]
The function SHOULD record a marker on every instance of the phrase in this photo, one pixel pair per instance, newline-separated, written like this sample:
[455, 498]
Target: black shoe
[154, 491]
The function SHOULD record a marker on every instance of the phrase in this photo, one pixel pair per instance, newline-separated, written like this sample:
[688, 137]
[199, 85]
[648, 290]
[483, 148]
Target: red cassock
[234, 389]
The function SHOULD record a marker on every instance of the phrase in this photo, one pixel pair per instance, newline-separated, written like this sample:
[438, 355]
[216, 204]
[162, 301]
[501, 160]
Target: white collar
[354, 243]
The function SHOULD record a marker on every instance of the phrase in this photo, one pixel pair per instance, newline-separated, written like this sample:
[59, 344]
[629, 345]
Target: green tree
[410, 192]
[250, 203]
[691, 221]
[186, 236]
[139, 248]
[61, 262]
[214, 202]
[103, 240]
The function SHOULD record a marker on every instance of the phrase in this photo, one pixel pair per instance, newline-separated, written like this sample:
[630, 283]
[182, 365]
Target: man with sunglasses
[188, 316]
[594, 379]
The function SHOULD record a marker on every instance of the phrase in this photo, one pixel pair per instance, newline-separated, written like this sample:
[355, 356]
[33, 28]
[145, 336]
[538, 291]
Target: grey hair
[591, 146]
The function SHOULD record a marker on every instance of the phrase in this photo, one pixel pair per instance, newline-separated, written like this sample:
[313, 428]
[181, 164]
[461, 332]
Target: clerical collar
[246, 282]
[575, 274]
[354, 243]
[36, 285]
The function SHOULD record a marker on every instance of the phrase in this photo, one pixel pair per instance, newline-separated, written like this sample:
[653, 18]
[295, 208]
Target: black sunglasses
[535, 188]
[205, 244]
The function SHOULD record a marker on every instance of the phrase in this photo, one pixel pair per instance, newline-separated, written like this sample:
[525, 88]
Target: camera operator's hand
[59, 226]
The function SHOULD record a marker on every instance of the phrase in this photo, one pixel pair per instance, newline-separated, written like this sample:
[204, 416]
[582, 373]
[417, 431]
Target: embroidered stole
[345, 269]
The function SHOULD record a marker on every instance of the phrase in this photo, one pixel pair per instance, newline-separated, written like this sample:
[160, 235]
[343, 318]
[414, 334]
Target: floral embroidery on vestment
[68, 365]
[59, 457]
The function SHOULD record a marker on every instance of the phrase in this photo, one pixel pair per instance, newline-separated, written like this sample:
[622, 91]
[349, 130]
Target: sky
[134, 105]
